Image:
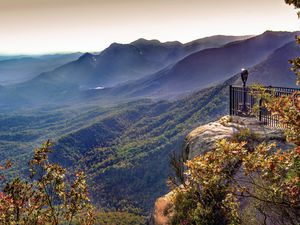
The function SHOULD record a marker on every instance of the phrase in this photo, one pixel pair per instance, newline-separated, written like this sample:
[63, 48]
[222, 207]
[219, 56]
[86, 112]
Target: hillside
[276, 70]
[125, 153]
[123, 149]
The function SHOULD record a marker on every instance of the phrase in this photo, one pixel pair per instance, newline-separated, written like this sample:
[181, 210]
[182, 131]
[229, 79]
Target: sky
[50, 26]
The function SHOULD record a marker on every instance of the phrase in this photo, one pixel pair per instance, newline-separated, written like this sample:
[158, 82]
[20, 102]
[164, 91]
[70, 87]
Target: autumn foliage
[46, 197]
[245, 183]
[242, 183]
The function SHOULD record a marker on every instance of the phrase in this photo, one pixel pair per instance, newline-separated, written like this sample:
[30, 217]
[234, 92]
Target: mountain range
[118, 115]
[123, 62]
[117, 64]
[22, 68]
[207, 67]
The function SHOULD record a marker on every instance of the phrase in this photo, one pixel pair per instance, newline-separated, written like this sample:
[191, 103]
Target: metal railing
[242, 103]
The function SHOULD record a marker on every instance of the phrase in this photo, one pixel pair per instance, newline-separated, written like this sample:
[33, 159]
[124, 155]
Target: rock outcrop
[161, 213]
[203, 139]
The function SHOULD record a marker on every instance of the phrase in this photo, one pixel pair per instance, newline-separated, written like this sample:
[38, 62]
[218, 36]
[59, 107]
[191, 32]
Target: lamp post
[244, 76]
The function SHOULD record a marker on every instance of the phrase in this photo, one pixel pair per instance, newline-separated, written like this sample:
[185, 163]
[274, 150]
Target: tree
[45, 198]
[295, 3]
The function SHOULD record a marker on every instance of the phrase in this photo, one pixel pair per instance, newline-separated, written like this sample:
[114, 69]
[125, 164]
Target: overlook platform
[242, 102]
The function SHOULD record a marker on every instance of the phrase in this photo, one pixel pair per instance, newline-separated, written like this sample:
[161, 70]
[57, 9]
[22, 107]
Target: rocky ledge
[203, 139]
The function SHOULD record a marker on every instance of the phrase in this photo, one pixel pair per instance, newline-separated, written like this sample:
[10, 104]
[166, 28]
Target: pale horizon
[35, 27]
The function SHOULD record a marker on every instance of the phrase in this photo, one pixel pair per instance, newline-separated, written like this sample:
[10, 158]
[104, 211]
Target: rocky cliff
[203, 138]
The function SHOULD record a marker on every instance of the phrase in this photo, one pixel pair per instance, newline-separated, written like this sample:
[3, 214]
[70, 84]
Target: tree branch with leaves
[45, 198]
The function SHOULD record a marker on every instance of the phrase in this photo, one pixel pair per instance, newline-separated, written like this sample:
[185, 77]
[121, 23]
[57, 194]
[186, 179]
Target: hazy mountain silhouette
[116, 64]
[207, 67]
[20, 69]
[169, 52]
[128, 66]
[7, 57]
[122, 62]
[212, 42]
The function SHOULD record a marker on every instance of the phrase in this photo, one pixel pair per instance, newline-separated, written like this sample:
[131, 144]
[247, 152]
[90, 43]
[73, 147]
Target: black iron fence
[243, 103]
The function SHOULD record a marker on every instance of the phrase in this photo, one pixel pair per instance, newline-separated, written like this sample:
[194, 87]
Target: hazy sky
[40, 26]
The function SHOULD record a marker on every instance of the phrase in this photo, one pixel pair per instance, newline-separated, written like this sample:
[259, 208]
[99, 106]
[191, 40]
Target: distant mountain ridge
[123, 62]
[145, 69]
[6, 57]
[22, 68]
[174, 50]
[207, 67]
[114, 65]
